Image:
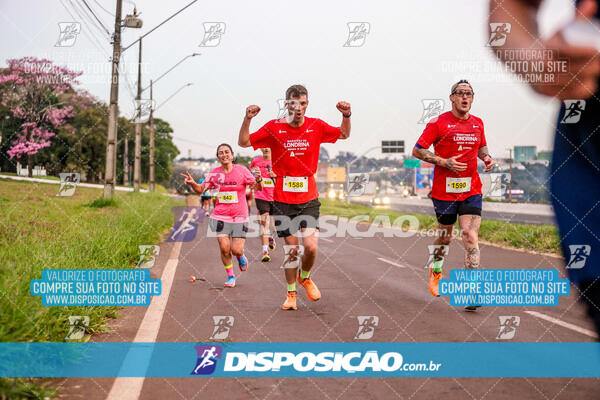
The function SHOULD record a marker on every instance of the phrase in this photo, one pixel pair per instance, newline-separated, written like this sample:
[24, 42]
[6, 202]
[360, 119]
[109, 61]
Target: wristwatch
[347, 115]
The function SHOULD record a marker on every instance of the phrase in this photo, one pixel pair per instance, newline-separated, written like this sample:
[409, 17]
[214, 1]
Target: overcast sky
[414, 50]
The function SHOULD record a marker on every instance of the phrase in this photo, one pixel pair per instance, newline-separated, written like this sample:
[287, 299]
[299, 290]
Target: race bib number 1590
[458, 185]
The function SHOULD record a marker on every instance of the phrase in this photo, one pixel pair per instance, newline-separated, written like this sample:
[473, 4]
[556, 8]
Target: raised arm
[244, 138]
[196, 187]
[344, 108]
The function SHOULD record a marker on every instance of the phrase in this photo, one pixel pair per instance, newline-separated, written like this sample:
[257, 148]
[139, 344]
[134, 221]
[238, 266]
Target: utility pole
[510, 161]
[137, 167]
[151, 141]
[113, 110]
[126, 161]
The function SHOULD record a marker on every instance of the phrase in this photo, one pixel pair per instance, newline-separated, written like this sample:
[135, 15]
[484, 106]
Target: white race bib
[296, 184]
[228, 197]
[268, 182]
[458, 185]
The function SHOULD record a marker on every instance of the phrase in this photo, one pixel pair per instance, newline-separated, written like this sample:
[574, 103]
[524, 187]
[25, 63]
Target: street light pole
[138, 126]
[173, 95]
[151, 141]
[113, 110]
[510, 161]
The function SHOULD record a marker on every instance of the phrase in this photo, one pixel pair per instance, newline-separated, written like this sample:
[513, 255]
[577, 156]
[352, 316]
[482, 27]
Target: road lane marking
[564, 324]
[391, 262]
[131, 388]
[325, 239]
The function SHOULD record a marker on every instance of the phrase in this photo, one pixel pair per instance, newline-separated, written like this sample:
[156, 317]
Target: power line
[97, 19]
[85, 17]
[157, 26]
[92, 39]
[105, 10]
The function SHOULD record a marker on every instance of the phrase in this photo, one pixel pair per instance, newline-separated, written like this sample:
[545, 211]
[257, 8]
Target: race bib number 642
[297, 184]
[228, 197]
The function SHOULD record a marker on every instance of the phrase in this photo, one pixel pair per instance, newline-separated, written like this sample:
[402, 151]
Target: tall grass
[41, 231]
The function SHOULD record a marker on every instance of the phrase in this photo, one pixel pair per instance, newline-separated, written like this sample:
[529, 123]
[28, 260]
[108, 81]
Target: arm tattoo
[428, 156]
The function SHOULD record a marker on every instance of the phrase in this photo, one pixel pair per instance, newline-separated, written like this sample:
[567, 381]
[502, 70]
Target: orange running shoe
[434, 282]
[290, 301]
[312, 291]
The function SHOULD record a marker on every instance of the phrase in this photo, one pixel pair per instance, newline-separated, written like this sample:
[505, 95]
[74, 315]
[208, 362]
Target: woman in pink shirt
[229, 219]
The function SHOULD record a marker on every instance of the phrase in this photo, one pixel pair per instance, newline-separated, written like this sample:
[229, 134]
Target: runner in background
[575, 166]
[458, 140]
[264, 200]
[205, 199]
[295, 143]
[229, 219]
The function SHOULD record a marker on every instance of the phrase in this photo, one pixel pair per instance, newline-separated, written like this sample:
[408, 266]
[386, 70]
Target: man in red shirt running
[264, 199]
[458, 140]
[295, 142]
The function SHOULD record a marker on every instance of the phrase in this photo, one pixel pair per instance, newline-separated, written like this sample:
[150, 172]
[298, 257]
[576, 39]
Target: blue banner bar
[374, 359]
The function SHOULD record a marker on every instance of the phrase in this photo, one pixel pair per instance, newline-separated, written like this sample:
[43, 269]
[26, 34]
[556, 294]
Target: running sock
[239, 258]
[437, 266]
[265, 247]
[304, 274]
[291, 287]
[229, 270]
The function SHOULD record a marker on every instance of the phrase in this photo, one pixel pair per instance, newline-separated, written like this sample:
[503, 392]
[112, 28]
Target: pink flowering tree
[31, 89]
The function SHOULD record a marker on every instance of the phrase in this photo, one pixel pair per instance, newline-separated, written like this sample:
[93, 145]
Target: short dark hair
[461, 82]
[295, 91]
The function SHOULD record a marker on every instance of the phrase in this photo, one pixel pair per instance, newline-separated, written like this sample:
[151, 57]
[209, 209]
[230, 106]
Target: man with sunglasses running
[458, 140]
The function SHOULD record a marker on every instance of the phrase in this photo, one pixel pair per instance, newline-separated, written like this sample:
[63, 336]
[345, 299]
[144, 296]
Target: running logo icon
[68, 34]
[292, 255]
[357, 33]
[498, 184]
[223, 324]
[357, 184]
[432, 108]
[77, 326]
[579, 255]
[286, 109]
[498, 33]
[508, 327]
[437, 252]
[148, 255]
[366, 326]
[207, 359]
[68, 183]
[573, 111]
[186, 224]
[213, 31]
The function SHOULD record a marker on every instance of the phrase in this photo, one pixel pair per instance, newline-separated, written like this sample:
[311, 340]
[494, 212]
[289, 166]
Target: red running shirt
[452, 136]
[295, 155]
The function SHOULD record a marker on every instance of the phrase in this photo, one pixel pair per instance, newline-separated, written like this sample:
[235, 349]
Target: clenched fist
[252, 111]
[343, 107]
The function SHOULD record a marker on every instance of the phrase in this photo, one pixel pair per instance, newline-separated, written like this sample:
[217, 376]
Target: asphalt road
[377, 276]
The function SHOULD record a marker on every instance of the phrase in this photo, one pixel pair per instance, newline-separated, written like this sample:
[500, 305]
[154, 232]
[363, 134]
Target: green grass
[101, 202]
[25, 388]
[41, 231]
[538, 238]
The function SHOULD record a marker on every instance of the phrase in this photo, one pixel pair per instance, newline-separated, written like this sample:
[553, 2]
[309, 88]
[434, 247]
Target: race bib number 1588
[297, 184]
